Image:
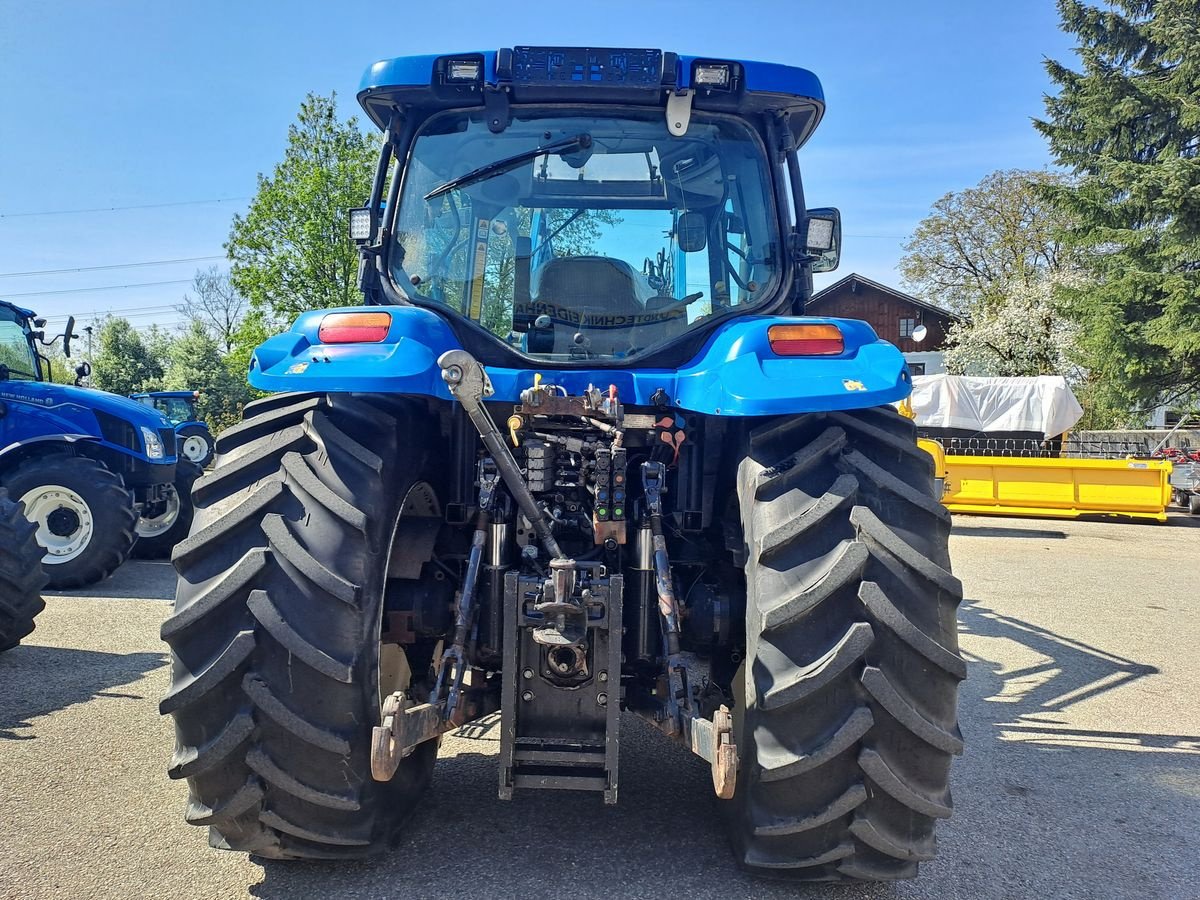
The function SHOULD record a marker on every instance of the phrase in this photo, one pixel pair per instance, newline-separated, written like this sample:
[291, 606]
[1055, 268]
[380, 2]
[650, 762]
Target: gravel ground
[1081, 777]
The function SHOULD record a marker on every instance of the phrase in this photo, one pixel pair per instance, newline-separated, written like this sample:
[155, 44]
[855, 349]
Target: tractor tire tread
[21, 575]
[849, 718]
[279, 583]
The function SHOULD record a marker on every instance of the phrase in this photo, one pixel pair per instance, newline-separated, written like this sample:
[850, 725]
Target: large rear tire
[276, 627]
[84, 516]
[847, 719]
[21, 575]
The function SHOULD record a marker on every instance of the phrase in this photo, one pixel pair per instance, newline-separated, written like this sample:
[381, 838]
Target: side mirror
[823, 238]
[691, 231]
[67, 335]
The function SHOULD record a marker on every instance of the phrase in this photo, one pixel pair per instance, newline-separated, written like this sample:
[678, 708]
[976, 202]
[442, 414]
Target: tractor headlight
[154, 446]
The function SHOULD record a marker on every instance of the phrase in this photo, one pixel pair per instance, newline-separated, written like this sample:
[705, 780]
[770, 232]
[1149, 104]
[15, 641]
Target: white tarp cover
[1041, 403]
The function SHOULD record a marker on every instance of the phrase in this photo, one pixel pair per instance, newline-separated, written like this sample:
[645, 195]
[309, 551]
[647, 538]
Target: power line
[132, 265]
[96, 209]
[113, 287]
[158, 308]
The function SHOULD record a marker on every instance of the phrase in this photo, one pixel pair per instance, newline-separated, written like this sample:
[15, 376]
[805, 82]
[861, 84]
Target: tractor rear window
[616, 237]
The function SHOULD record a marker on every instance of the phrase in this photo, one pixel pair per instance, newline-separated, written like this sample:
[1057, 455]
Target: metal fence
[1074, 447]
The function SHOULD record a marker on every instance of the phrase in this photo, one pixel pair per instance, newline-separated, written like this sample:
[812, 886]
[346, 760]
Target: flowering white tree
[1025, 331]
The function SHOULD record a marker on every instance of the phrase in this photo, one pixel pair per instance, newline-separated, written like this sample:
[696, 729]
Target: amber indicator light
[806, 340]
[354, 328]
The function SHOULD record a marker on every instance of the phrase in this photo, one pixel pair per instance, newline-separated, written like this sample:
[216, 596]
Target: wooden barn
[893, 314]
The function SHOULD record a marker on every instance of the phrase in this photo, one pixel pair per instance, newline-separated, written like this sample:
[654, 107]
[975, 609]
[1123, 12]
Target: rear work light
[806, 340]
[463, 69]
[710, 75]
[354, 328]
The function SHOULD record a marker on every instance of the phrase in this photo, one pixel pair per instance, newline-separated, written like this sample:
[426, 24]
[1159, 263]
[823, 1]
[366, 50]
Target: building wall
[884, 312]
[933, 361]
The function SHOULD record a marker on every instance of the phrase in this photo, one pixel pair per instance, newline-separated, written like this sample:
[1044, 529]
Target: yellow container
[1056, 488]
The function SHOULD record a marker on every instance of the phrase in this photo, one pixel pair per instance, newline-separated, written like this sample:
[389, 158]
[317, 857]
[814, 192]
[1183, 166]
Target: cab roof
[19, 310]
[586, 75]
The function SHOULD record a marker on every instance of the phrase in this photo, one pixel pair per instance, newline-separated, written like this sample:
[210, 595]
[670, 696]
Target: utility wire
[132, 265]
[112, 287]
[97, 209]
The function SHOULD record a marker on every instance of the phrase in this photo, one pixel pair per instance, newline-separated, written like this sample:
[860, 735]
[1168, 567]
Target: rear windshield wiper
[566, 145]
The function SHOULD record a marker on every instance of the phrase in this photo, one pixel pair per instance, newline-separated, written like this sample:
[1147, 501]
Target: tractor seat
[595, 286]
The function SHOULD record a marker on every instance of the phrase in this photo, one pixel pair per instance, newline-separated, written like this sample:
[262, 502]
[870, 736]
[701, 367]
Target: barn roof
[836, 287]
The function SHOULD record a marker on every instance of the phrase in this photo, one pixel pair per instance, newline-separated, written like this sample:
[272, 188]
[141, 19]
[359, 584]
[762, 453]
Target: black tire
[1193, 504]
[21, 575]
[275, 632]
[158, 544]
[108, 504]
[195, 431]
[848, 722]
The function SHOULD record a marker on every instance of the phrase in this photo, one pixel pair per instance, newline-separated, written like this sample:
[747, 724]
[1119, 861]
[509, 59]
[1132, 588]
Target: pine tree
[1128, 125]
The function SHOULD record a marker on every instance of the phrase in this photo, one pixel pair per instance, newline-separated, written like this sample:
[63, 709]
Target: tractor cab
[195, 441]
[177, 406]
[582, 207]
[21, 331]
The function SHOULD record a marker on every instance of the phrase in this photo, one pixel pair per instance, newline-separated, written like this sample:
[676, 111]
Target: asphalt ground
[1081, 776]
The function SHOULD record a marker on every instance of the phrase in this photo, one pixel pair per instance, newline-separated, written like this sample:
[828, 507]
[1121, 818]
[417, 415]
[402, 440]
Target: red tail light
[806, 340]
[354, 328]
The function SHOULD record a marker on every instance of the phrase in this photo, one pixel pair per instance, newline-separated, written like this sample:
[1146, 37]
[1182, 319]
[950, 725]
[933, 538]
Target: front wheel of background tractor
[846, 717]
[195, 444]
[21, 575]
[84, 516]
[275, 634]
[158, 535]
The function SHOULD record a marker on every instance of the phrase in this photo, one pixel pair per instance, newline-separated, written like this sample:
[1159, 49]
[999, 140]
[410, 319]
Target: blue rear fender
[735, 373]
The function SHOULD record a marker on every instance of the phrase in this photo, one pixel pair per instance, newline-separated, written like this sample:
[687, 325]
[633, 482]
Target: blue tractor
[192, 438]
[96, 473]
[579, 452]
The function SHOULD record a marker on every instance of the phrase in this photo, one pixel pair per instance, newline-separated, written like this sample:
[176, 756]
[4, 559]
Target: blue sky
[159, 104]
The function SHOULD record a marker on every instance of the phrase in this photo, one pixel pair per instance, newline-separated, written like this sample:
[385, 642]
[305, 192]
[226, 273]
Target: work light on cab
[806, 340]
[715, 76]
[360, 224]
[464, 69]
[354, 328]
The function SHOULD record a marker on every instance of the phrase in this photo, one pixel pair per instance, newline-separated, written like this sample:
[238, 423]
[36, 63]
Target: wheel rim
[153, 526]
[64, 521]
[195, 447]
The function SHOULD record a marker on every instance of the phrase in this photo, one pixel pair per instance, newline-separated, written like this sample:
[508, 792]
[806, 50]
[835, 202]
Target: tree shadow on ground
[1061, 672]
[1082, 801]
[64, 677]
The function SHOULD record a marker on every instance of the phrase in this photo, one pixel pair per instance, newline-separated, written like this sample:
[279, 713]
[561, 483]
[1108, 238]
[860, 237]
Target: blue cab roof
[578, 74]
[764, 77]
